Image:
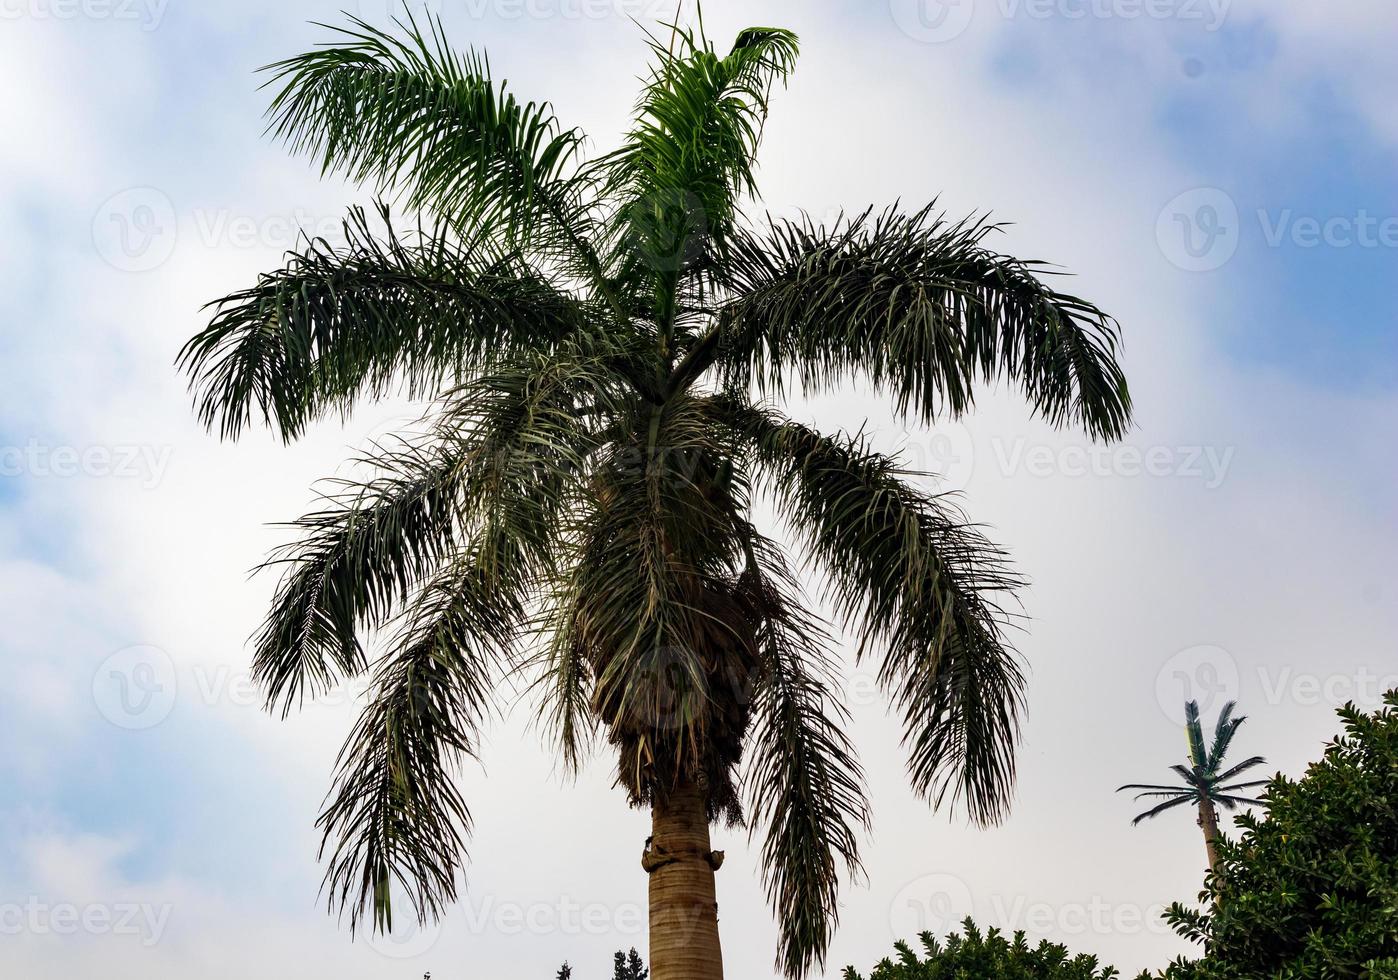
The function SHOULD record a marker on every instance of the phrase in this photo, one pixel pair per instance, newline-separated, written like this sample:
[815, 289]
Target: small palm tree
[574, 517]
[1203, 781]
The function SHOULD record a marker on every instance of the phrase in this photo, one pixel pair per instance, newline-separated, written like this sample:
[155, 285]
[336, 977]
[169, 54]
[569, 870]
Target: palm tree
[601, 340]
[1204, 782]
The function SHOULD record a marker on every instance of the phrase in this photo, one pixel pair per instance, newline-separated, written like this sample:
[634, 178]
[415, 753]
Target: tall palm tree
[601, 339]
[1204, 782]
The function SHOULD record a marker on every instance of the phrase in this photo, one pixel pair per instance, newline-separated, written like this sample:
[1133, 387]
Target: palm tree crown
[601, 338]
[1204, 780]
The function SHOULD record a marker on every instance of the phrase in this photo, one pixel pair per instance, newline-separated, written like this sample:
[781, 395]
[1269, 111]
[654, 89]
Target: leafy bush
[1311, 887]
[990, 956]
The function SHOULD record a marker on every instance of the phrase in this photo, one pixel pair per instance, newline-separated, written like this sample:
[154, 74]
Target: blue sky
[1081, 131]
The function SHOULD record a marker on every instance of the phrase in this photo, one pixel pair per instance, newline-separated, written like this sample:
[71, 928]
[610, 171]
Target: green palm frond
[414, 117]
[805, 786]
[1194, 736]
[924, 309]
[689, 158]
[374, 316]
[917, 580]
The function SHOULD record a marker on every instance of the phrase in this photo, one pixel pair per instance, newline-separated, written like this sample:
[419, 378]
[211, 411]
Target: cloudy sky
[1218, 175]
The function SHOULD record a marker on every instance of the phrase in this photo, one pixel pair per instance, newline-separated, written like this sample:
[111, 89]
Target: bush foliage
[976, 955]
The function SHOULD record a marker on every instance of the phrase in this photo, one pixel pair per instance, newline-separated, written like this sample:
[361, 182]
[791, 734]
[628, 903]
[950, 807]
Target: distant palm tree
[575, 519]
[1204, 782]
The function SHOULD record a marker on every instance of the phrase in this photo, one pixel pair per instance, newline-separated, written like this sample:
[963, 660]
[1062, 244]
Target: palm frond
[924, 309]
[497, 463]
[1224, 730]
[1234, 787]
[916, 579]
[353, 563]
[804, 783]
[414, 117]
[1194, 737]
[374, 316]
[689, 156]
[1156, 811]
[1241, 768]
[396, 814]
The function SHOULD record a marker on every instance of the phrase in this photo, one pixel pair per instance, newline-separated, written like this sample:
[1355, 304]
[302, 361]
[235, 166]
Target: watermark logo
[407, 941]
[933, 21]
[135, 230]
[124, 462]
[946, 452]
[40, 918]
[1206, 674]
[935, 903]
[1198, 231]
[939, 21]
[146, 13]
[136, 687]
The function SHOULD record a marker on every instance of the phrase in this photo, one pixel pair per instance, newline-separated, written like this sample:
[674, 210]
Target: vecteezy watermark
[1210, 675]
[145, 13]
[938, 21]
[1286, 685]
[37, 917]
[136, 230]
[136, 687]
[1097, 916]
[1201, 229]
[935, 903]
[123, 462]
[487, 915]
[1208, 464]
[139, 687]
[949, 452]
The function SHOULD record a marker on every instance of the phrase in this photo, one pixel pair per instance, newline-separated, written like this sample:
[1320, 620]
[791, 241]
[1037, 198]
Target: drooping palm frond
[353, 564]
[418, 118]
[915, 579]
[1157, 810]
[1240, 768]
[396, 815]
[396, 811]
[924, 309]
[374, 316]
[805, 787]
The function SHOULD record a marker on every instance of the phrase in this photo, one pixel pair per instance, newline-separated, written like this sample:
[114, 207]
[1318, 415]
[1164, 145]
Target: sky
[1216, 174]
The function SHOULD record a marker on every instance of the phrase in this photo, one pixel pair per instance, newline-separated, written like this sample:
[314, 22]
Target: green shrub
[989, 956]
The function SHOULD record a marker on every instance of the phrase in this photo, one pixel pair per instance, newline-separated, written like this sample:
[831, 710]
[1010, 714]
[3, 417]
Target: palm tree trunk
[1208, 820]
[683, 912]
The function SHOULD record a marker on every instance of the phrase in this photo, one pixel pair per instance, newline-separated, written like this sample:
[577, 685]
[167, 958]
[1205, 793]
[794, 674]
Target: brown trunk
[1208, 820]
[683, 913]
